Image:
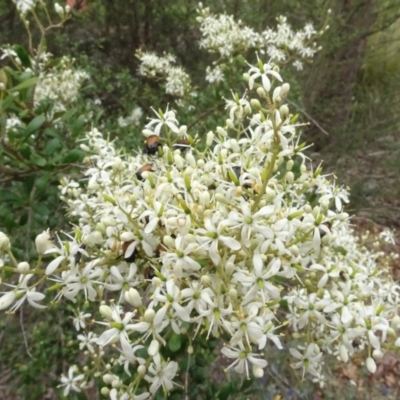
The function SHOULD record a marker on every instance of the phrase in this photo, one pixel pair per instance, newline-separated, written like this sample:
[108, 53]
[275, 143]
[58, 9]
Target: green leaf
[25, 85]
[175, 342]
[42, 182]
[51, 133]
[73, 156]
[41, 209]
[23, 56]
[284, 304]
[4, 104]
[37, 160]
[28, 183]
[52, 146]
[34, 125]
[23, 219]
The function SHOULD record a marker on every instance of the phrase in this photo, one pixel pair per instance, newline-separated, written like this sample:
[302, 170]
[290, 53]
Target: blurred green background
[350, 94]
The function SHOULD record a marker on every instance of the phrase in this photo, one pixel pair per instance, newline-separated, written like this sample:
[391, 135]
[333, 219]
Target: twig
[29, 222]
[21, 320]
[187, 378]
[309, 117]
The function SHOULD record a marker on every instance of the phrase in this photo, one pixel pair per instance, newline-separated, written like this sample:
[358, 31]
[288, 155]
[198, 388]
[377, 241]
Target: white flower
[263, 71]
[166, 119]
[250, 222]
[243, 358]
[22, 292]
[118, 330]
[214, 75]
[163, 374]
[70, 382]
[310, 361]
[86, 340]
[211, 238]
[80, 320]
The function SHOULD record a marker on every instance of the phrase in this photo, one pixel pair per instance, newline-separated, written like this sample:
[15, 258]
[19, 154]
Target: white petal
[233, 244]
[54, 265]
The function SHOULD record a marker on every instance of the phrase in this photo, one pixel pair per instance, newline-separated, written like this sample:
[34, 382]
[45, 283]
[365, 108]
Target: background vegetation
[350, 94]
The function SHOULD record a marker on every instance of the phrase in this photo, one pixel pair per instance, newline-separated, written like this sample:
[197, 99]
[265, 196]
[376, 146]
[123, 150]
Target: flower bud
[258, 372]
[205, 199]
[221, 198]
[289, 177]
[205, 280]
[153, 348]
[149, 315]
[377, 354]
[246, 76]
[6, 300]
[116, 383]
[191, 160]
[5, 244]
[276, 98]
[261, 92]
[230, 124]
[284, 111]
[233, 294]
[395, 322]
[371, 366]
[344, 355]
[229, 267]
[179, 161]
[132, 296]
[23, 267]
[221, 131]
[141, 370]
[255, 103]
[182, 131]
[284, 90]
[59, 10]
[210, 138]
[108, 378]
[109, 221]
[127, 236]
[106, 312]
[43, 242]
[289, 165]
[105, 391]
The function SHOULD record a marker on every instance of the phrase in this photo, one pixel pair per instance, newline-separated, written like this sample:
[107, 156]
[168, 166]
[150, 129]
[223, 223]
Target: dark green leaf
[23, 219]
[52, 146]
[23, 56]
[175, 342]
[37, 160]
[34, 125]
[42, 182]
[73, 156]
[25, 85]
[28, 183]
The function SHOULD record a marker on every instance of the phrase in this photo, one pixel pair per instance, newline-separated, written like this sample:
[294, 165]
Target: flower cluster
[223, 35]
[234, 238]
[24, 6]
[177, 81]
[60, 84]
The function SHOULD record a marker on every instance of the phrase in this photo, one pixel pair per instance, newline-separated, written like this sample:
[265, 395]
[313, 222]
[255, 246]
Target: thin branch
[309, 117]
[21, 320]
